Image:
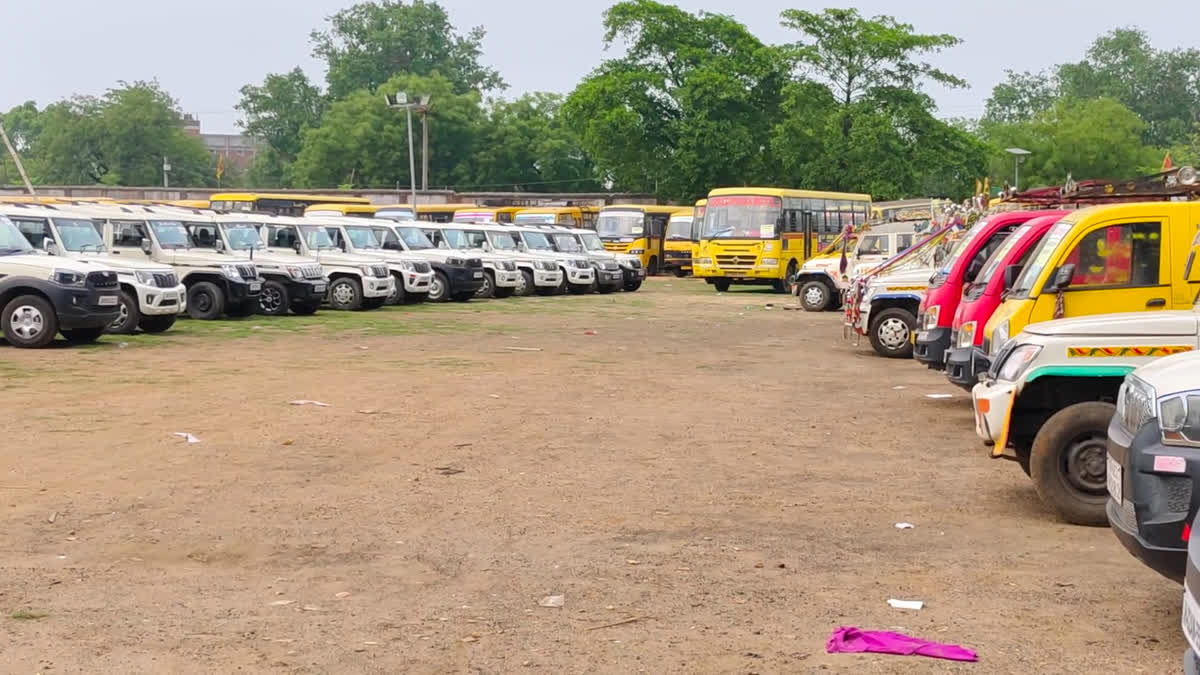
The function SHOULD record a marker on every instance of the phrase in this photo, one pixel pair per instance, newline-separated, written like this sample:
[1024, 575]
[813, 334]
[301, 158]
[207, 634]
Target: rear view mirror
[1011, 274]
[49, 246]
[486, 246]
[296, 246]
[145, 246]
[219, 245]
[1063, 276]
[521, 246]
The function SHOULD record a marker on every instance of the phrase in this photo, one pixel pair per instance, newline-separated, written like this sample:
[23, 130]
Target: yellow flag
[220, 166]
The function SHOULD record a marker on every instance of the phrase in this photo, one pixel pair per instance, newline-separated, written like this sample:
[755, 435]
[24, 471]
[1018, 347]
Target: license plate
[922, 336]
[255, 287]
[478, 275]
[1191, 620]
[108, 300]
[318, 288]
[1114, 479]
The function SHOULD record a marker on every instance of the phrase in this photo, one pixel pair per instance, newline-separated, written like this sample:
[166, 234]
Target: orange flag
[1167, 164]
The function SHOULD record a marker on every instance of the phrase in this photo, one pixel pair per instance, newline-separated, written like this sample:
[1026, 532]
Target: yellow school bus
[352, 210]
[440, 213]
[486, 214]
[762, 235]
[567, 216]
[281, 204]
[677, 245]
[190, 203]
[637, 229]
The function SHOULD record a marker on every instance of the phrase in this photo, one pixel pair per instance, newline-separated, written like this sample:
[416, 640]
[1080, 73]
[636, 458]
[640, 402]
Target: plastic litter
[904, 526]
[939, 395]
[186, 436]
[553, 601]
[849, 639]
[899, 387]
[905, 604]
[308, 402]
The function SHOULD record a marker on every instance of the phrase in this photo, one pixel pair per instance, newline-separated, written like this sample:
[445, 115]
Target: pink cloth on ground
[851, 639]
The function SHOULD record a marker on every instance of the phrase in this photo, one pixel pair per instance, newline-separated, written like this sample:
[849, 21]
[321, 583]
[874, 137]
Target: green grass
[29, 614]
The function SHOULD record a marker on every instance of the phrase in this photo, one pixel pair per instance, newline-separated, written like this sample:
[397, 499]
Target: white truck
[412, 276]
[355, 281]
[1050, 393]
[821, 282]
[456, 276]
[215, 284]
[151, 296]
[501, 278]
[42, 296]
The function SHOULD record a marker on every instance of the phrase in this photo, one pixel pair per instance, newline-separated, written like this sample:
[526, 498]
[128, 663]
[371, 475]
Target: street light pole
[425, 146]
[412, 170]
[401, 100]
[1019, 155]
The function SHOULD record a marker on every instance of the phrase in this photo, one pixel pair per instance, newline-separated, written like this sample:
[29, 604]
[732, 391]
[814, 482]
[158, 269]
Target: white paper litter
[552, 601]
[939, 395]
[308, 402]
[904, 526]
[186, 436]
[524, 349]
[905, 604]
[899, 387]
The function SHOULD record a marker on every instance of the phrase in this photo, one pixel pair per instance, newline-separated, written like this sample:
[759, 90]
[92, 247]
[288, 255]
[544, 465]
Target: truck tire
[130, 316]
[345, 293]
[274, 299]
[157, 323]
[890, 331]
[528, 287]
[439, 287]
[1068, 462]
[205, 300]
[815, 296]
[84, 336]
[721, 285]
[29, 322]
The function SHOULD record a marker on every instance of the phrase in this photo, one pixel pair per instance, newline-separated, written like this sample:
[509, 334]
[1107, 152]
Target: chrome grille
[380, 271]
[102, 279]
[549, 266]
[1137, 406]
[247, 271]
[615, 246]
[610, 266]
[736, 262]
[581, 264]
[421, 267]
[312, 271]
[165, 280]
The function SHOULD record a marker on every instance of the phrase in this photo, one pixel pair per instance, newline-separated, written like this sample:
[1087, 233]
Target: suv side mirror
[1011, 274]
[145, 246]
[49, 246]
[1063, 276]
[219, 244]
[296, 246]
[521, 246]
[487, 246]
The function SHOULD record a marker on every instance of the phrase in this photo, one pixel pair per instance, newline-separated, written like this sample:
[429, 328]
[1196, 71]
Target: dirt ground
[723, 477]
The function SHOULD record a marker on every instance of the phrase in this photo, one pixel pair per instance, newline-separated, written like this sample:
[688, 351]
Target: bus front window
[740, 217]
[679, 229]
[627, 225]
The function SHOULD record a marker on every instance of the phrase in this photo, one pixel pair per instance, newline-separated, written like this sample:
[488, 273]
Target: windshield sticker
[636, 229]
[767, 230]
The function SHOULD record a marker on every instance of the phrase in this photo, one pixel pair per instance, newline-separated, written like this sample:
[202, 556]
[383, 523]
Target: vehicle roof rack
[1182, 183]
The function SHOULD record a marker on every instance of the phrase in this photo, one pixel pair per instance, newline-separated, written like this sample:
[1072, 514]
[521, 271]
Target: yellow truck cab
[440, 213]
[1103, 259]
[486, 214]
[567, 216]
[677, 247]
[636, 229]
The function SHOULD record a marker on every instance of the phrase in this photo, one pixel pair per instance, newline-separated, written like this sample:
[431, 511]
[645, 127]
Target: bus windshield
[620, 224]
[741, 217]
[1039, 259]
[396, 214]
[680, 228]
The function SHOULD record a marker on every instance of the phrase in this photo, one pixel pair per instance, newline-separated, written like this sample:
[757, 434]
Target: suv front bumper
[993, 403]
[581, 277]
[416, 282]
[1155, 505]
[610, 277]
[506, 279]
[155, 301]
[547, 278]
[464, 279]
[931, 345]
[78, 307]
[375, 287]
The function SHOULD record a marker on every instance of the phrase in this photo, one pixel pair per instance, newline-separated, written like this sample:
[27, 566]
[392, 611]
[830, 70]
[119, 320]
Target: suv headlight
[1135, 403]
[68, 277]
[295, 272]
[406, 265]
[966, 334]
[931, 317]
[999, 337]
[231, 271]
[455, 261]
[144, 278]
[367, 271]
[1018, 360]
[1179, 418]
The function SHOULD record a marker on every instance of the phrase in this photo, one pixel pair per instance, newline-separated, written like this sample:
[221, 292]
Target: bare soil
[722, 477]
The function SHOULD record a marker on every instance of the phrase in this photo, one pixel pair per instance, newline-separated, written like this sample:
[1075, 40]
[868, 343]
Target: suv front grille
[102, 280]
[380, 271]
[508, 265]
[312, 271]
[581, 264]
[165, 280]
[474, 262]
[610, 265]
[421, 267]
[247, 272]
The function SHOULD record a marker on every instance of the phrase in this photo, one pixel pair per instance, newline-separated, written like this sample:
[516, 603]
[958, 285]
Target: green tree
[279, 111]
[363, 143]
[526, 145]
[23, 124]
[688, 107]
[1098, 138]
[369, 43]
[1021, 96]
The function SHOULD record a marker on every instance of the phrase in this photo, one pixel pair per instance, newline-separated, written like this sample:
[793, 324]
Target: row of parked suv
[84, 269]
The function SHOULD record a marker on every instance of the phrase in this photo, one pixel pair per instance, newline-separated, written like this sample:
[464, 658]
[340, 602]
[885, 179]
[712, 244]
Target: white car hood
[120, 262]
[1184, 322]
[914, 277]
[40, 265]
[1172, 374]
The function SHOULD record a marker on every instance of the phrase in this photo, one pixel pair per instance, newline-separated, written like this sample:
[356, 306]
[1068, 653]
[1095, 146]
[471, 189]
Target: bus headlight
[706, 261]
[768, 262]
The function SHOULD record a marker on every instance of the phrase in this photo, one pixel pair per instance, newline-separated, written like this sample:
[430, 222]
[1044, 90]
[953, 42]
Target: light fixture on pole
[402, 100]
[1019, 155]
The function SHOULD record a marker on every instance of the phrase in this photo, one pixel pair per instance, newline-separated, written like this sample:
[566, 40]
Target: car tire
[415, 298]
[127, 321]
[243, 309]
[488, 289]
[29, 322]
[528, 288]
[306, 308]
[159, 323]
[439, 287]
[605, 290]
[397, 296]
[631, 286]
[84, 336]
[890, 331]
[1068, 462]
[462, 297]
[345, 293]
[579, 289]
[372, 303]
[546, 290]
[504, 292]
[274, 299]
[206, 301]
[814, 296]
[722, 285]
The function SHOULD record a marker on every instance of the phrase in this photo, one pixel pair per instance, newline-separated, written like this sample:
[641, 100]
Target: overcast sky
[202, 52]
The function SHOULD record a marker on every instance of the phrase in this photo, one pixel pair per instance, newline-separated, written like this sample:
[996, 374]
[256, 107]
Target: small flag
[220, 166]
[987, 185]
[978, 186]
[1167, 163]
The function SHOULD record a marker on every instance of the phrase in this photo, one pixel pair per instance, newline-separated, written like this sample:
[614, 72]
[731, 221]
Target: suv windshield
[1038, 260]
[317, 238]
[458, 239]
[78, 235]
[11, 239]
[742, 217]
[170, 233]
[242, 237]
[591, 242]
[618, 224]
[414, 238]
[502, 241]
[537, 241]
[362, 237]
[567, 243]
[680, 228]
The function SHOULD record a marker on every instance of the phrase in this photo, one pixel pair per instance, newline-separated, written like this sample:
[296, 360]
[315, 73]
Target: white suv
[355, 281]
[501, 278]
[413, 275]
